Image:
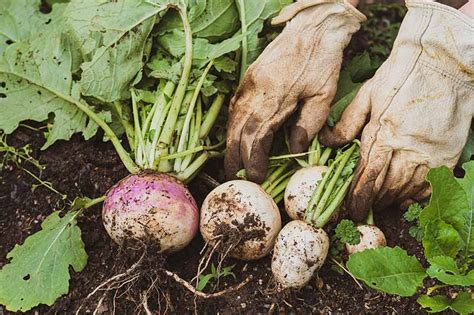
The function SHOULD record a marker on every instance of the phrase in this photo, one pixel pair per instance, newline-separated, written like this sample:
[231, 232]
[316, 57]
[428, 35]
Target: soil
[79, 168]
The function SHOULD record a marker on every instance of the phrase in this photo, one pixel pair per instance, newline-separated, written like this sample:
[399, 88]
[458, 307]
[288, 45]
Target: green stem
[370, 217]
[195, 138]
[129, 131]
[282, 186]
[188, 174]
[279, 180]
[325, 156]
[93, 202]
[192, 151]
[140, 156]
[123, 154]
[279, 198]
[244, 55]
[315, 149]
[275, 175]
[332, 183]
[157, 124]
[169, 127]
[211, 116]
[334, 205]
[184, 134]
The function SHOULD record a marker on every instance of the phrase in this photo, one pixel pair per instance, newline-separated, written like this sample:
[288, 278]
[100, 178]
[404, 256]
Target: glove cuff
[292, 10]
[439, 37]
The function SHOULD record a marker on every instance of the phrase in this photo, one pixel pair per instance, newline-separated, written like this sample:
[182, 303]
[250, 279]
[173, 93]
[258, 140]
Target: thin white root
[203, 295]
[347, 271]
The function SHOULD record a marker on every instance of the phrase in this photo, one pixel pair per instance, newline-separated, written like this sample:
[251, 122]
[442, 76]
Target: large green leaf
[113, 37]
[467, 228]
[21, 20]
[252, 16]
[452, 201]
[38, 271]
[36, 80]
[388, 269]
[210, 19]
[441, 238]
[463, 303]
[445, 269]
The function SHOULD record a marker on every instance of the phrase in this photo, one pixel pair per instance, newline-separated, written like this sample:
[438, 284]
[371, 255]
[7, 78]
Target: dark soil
[77, 168]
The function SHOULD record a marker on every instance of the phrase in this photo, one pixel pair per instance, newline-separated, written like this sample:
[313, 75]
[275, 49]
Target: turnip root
[370, 237]
[242, 217]
[151, 208]
[300, 250]
[300, 188]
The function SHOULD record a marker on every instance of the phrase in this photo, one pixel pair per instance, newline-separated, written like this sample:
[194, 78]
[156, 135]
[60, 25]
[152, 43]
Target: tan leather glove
[297, 72]
[419, 104]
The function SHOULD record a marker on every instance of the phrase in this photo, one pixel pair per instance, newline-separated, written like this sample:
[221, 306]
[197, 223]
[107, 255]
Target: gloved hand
[298, 71]
[419, 104]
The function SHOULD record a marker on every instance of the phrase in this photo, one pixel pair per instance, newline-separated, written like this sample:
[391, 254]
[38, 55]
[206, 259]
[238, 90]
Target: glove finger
[418, 184]
[240, 112]
[352, 120]
[369, 177]
[257, 138]
[310, 119]
[400, 177]
[423, 193]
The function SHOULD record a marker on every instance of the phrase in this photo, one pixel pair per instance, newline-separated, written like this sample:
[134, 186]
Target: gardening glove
[297, 72]
[419, 105]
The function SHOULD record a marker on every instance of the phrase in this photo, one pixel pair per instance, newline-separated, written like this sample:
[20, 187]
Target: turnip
[240, 218]
[300, 250]
[152, 208]
[302, 246]
[300, 188]
[370, 237]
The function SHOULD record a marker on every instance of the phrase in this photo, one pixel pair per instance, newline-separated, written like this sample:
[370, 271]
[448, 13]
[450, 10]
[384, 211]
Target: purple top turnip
[151, 208]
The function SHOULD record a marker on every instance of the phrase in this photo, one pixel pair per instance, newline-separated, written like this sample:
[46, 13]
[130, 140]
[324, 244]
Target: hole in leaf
[39, 92]
[3, 84]
[27, 277]
[8, 42]
[3, 95]
[47, 22]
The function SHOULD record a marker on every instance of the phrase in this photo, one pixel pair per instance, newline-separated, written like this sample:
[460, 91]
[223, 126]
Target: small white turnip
[242, 217]
[300, 188]
[300, 250]
[153, 209]
[370, 237]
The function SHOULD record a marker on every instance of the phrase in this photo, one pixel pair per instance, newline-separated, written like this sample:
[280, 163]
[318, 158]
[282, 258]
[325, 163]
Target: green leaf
[467, 228]
[468, 151]
[225, 64]
[347, 232]
[36, 81]
[452, 201]
[38, 272]
[255, 14]
[203, 281]
[112, 37]
[210, 19]
[413, 212]
[440, 238]
[434, 304]
[340, 106]
[388, 269]
[21, 20]
[463, 303]
[444, 269]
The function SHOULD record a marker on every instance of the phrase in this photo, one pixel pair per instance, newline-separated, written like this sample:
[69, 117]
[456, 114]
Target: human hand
[297, 72]
[419, 105]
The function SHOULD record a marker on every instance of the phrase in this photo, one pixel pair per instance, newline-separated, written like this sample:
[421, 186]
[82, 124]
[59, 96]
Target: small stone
[243, 305]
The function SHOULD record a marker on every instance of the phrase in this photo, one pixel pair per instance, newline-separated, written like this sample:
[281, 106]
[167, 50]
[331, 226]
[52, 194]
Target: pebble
[243, 305]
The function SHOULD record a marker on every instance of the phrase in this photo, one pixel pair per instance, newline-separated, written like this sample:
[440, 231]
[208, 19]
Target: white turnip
[300, 250]
[151, 208]
[300, 188]
[242, 218]
[370, 237]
